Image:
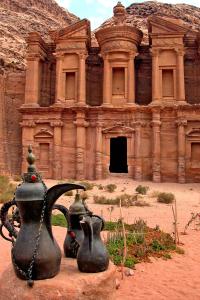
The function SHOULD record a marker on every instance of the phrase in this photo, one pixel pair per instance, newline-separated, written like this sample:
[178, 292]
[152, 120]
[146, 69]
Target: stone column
[155, 76]
[131, 79]
[81, 125]
[180, 75]
[138, 159]
[82, 80]
[181, 150]
[27, 139]
[57, 153]
[106, 82]
[99, 162]
[59, 79]
[32, 91]
[156, 124]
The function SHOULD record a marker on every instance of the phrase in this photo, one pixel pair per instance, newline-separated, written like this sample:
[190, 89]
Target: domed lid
[32, 187]
[78, 207]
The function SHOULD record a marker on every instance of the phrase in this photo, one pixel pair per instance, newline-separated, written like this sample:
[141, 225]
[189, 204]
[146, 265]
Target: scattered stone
[129, 272]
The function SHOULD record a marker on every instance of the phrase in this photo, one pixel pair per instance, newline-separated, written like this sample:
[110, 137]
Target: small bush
[7, 189]
[179, 250]
[17, 178]
[110, 188]
[100, 186]
[141, 189]
[157, 246]
[154, 194]
[166, 198]
[88, 185]
[141, 203]
[167, 256]
[69, 193]
[104, 200]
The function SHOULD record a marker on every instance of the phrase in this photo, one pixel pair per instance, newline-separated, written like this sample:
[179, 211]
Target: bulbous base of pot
[38, 275]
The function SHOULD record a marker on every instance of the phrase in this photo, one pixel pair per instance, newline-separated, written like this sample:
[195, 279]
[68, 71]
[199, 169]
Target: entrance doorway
[118, 155]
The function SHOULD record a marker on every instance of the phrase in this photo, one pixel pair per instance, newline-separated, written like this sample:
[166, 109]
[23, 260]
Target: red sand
[178, 278]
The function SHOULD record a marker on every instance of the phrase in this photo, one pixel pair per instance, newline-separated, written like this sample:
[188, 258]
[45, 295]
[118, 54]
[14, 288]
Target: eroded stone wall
[14, 98]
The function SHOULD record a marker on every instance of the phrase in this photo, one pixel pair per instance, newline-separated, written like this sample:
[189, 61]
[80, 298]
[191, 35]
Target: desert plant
[69, 193]
[141, 203]
[7, 189]
[110, 188]
[154, 194]
[88, 185]
[166, 198]
[17, 178]
[141, 189]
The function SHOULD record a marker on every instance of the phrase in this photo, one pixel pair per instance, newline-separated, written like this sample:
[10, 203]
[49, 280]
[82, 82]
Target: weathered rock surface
[67, 285]
[138, 13]
[19, 17]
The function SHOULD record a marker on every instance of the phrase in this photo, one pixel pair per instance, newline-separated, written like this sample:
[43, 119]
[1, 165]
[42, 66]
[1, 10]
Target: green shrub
[110, 188]
[166, 198]
[58, 220]
[167, 256]
[130, 262]
[69, 193]
[157, 246]
[141, 189]
[4, 182]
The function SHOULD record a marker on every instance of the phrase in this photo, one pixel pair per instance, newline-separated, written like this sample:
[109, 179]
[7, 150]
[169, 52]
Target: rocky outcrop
[138, 13]
[18, 18]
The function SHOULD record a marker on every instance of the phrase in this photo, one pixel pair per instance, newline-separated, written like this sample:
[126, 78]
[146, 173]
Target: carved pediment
[43, 133]
[80, 29]
[164, 25]
[119, 129]
[194, 132]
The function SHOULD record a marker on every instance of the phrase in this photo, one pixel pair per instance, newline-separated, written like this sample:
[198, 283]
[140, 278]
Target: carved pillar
[180, 75]
[138, 159]
[59, 79]
[57, 153]
[155, 76]
[27, 139]
[81, 125]
[131, 79]
[106, 82]
[156, 124]
[99, 162]
[32, 88]
[181, 150]
[82, 79]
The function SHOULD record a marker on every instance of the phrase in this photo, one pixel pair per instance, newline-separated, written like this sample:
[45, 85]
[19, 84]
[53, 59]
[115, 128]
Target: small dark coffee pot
[75, 233]
[92, 255]
[35, 253]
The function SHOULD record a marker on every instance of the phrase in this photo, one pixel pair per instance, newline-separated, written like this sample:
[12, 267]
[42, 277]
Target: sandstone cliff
[138, 13]
[18, 17]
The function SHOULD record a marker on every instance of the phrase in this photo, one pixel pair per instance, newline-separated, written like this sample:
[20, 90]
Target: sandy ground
[178, 278]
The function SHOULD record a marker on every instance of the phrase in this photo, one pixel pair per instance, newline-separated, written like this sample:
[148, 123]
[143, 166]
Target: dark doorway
[118, 155]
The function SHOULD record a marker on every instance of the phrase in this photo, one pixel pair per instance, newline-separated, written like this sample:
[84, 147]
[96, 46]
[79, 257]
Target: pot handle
[6, 222]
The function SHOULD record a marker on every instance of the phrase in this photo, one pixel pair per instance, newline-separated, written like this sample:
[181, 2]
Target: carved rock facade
[121, 107]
